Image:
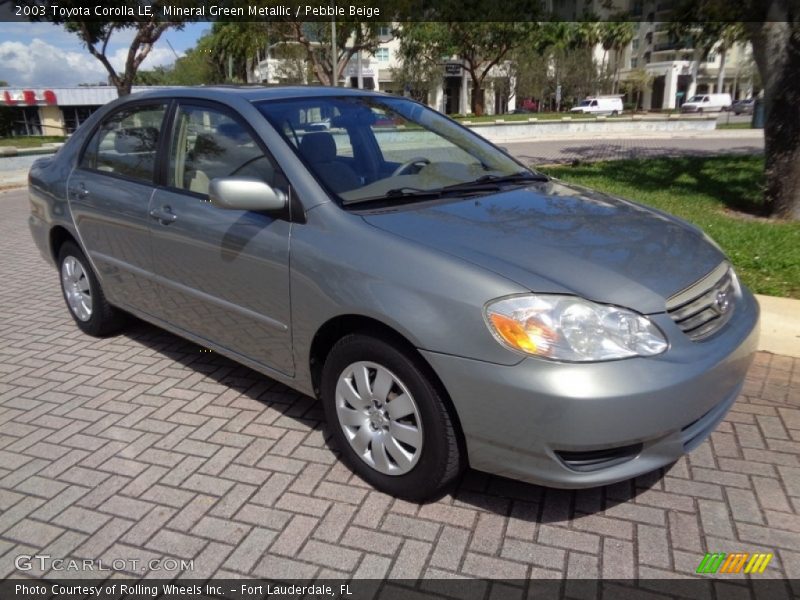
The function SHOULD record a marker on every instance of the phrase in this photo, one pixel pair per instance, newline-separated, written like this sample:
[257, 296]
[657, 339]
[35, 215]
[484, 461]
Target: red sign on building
[30, 97]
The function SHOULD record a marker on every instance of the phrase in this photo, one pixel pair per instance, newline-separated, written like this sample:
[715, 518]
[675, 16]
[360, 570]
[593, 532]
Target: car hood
[558, 238]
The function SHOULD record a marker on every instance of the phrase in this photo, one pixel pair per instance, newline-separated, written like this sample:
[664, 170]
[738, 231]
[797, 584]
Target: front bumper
[521, 421]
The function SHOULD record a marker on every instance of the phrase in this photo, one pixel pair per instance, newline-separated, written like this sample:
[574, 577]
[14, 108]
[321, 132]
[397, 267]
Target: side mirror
[244, 193]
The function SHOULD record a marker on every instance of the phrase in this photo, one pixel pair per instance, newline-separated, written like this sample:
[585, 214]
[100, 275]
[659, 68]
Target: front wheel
[387, 418]
[83, 295]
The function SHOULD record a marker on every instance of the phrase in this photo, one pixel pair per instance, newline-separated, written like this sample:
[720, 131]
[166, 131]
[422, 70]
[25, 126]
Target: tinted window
[126, 143]
[208, 143]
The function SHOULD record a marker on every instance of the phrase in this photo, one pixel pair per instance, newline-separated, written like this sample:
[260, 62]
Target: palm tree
[615, 35]
[235, 46]
[732, 33]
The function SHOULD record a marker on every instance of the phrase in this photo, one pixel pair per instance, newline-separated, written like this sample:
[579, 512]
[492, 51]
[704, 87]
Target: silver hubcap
[379, 418]
[76, 288]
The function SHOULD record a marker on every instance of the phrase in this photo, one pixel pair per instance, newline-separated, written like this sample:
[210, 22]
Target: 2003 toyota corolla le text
[449, 306]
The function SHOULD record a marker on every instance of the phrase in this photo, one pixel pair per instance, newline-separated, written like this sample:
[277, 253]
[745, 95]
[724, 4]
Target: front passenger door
[224, 274]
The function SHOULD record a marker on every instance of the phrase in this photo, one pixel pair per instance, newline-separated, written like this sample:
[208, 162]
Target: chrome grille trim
[697, 310]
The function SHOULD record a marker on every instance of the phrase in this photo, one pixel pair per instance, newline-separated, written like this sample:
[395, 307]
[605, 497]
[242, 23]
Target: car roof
[254, 93]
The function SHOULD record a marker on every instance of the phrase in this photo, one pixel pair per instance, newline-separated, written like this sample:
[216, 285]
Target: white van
[599, 105]
[707, 103]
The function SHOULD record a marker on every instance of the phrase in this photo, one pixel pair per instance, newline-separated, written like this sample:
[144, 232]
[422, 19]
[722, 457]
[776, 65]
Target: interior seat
[319, 151]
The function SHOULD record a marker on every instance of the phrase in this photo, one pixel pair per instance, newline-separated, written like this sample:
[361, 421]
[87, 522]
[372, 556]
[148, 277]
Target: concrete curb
[44, 149]
[780, 325]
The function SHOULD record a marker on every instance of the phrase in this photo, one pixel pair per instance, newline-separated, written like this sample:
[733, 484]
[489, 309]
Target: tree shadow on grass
[735, 182]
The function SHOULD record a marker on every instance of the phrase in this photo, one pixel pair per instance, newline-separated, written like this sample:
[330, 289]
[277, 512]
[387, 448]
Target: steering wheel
[410, 163]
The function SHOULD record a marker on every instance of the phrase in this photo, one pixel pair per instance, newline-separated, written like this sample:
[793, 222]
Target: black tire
[440, 460]
[614, 113]
[104, 318]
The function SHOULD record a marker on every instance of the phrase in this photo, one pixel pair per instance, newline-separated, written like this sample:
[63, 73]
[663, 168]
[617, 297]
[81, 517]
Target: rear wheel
[388, 419]
[83, 295]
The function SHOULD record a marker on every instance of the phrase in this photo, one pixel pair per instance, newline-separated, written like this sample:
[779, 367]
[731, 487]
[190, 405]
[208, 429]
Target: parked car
[707, 103]
[600, 105]
[449, 306]
[743, 107]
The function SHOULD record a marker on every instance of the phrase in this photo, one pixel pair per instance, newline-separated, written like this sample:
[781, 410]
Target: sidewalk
[780, 325]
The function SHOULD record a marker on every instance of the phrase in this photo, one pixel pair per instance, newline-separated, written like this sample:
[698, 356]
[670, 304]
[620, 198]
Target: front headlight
[572, 329]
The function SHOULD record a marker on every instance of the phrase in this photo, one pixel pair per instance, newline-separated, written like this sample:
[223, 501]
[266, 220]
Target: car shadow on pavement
[476, 490]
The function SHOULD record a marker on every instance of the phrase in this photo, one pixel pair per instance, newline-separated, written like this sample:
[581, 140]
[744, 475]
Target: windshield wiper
[486, 183]
[494, 180]
[400, 193]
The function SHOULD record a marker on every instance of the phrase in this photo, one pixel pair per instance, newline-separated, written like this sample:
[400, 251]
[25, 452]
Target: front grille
[703, 308]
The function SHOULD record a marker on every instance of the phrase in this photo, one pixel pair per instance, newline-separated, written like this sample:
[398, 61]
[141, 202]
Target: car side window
[208, 143]
[126, 142]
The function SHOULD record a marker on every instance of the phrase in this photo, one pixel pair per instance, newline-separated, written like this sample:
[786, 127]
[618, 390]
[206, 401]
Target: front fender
[340, 265]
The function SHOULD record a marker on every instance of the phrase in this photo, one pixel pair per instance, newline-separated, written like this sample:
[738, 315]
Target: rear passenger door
[223, 274]
[109, 195]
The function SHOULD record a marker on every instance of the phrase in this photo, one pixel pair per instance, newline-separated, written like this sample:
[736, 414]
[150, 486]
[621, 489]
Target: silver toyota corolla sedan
[449, 306]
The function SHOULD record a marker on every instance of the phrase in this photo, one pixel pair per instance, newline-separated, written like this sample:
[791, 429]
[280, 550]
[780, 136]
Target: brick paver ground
[143, 446]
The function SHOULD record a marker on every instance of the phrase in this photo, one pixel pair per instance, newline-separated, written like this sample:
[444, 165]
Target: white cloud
[158, 56]
[37, 63]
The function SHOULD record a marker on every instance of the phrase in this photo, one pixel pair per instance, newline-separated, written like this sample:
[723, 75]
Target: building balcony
[666, 46]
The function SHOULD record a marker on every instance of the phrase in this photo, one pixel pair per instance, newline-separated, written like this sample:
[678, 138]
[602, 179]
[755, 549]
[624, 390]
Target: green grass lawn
[30, 142]
[733, 125]
[720, 194]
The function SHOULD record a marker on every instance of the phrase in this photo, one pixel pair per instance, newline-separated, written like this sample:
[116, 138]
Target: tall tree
[556, 54]
[621, 34]
[636, 82]
[328, 61]
[732, 34]
[96, 35]
[480, 47]
[195, 67]
[773, 29]
[235, 46]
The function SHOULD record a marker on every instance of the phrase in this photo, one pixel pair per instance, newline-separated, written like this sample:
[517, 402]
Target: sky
[42, 55]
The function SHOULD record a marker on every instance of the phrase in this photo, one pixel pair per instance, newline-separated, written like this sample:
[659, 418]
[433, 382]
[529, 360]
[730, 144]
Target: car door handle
[163, 215]
[79, 192]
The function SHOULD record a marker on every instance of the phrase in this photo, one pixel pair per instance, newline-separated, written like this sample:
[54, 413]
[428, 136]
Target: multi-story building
[669, 59]
[450, 95]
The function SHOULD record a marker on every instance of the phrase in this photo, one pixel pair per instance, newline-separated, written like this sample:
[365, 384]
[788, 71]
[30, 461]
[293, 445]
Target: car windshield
[584, 103]
[364, 148]
[696, 98]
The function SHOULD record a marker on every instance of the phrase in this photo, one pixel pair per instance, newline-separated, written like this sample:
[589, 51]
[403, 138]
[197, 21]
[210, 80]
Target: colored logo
[738, 562]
